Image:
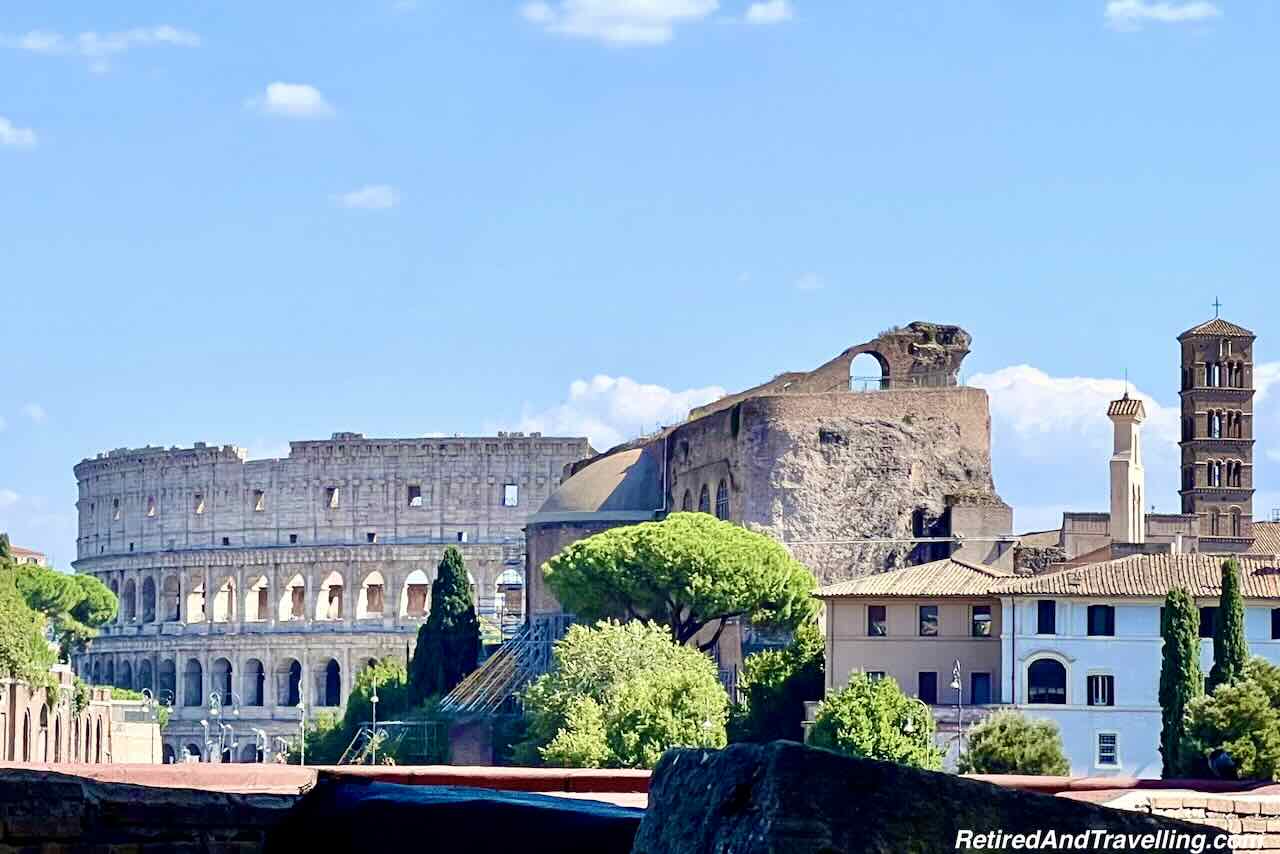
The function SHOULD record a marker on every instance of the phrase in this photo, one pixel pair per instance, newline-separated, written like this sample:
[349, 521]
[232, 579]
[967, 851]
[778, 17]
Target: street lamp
[261, 743]
[909, 727]
[302, 733]
[374, 702]
[208, 743]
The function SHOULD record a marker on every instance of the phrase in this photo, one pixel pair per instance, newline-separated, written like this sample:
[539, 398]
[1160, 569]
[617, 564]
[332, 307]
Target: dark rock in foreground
[785, 797]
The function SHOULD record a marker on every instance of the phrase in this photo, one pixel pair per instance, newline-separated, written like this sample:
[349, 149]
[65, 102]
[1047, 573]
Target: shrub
[872, 718]
[1010, 743]
[619, 696]
[775, 684]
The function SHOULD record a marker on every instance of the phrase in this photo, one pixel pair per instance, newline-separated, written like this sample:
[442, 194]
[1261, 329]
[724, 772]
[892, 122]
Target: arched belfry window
[1047, 682]
[704, 500]
[722, 500]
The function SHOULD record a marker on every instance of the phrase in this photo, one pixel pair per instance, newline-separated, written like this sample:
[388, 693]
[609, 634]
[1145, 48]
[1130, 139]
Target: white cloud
[15, 137]
[374, 197]
[609, 410]
[265, 449]
[809, 282]
[769, 12]
[1132, 14]
[99, 48]
[626, 22]
[294, 100]
[35, 412]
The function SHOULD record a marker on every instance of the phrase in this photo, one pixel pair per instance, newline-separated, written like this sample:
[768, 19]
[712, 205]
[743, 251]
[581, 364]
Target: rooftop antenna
[1126, 383]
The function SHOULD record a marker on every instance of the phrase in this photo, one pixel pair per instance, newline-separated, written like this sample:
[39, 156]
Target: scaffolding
[517, 662]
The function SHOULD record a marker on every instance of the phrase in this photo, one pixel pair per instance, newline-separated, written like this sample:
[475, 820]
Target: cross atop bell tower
[1217, 432]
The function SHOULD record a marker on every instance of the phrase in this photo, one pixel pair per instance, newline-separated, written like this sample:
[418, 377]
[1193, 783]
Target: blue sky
[246, 223]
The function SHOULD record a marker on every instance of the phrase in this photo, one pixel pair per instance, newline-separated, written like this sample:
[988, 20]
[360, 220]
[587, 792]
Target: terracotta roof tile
[1217, 326]
[1127, 406]
[1266, 538]
[948, 577]
[1149, 576]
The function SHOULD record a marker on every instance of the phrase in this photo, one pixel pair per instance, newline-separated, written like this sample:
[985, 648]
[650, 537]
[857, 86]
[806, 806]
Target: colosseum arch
[148, 600]
[192, 683]
[414, 594]
[221, 680]
[193, 750]
[293, 600]
[168, 754]
[196, 602]
[97, 671]
[224, 600]
[250, 752]
[129, 602]
[288, 677]
[253, 683]
[167, 682]
[126, 674]
[146, 677]
[329, 684]
[372, 593]
[171, 599]
[109, 672]
[329, 597]
[257, 600]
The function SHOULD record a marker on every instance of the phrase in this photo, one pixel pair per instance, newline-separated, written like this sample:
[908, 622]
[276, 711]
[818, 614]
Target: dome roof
[623, 486]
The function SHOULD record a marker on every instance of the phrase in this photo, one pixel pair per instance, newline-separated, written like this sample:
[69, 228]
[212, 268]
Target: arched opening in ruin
[510, 599]
[253, 683]
[57, 738]
[75, 740]
[293, 601]
[251, 752]
[171, 599]
[220, 681]
[109, 672]
[193, 751]
[193, 683]
[148, 600]
[330, 693]
[97, 671]
[146, 676]
[88, 741]
[868, 372]
[97, 741]
[196, 603]
[26, 736]
[224, 601]
[257, 601]
[413, 597]
[43, 749]
[370, 602]
[329, 597]
[167, 681]
[168, 755]
[126, 675]
[129, 601]
[288, 682]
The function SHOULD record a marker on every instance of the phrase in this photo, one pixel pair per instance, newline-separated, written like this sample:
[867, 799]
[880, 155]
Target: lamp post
[956, 686]
[208, 743]
[302, 733]
[261, 743]
[374, 702]
[215, 712]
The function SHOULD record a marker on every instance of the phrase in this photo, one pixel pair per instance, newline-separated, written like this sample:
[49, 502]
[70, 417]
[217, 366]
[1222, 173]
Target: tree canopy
[619, 696]
[775, 683]
[448, 645]
[686, 572]
[1180, 679]
[1230, 649]
[76, 606]
[1010, 743]
[874, 719]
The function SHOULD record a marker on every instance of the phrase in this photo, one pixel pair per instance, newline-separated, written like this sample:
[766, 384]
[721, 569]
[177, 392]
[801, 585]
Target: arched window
[1213, 523]
[1215, 425]
[129, 601]
[97, 742]
[126, 675]
[148, 600]
[220, 678]
[722, 500]
[57, 739]
[331, 694]
[44, 734]
[167, 682]
[193, 683]
[146, 678]
[288, 682]
[1235, 522]
[1047, 682]
[171, 599]
[75, 740]
[193, 750]
[26, 736]
[686, 503]
[254, 680]
[704, 500]
[168, 755]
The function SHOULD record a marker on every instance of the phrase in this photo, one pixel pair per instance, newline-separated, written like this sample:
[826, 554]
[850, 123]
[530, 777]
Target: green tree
[688, 571]
[449, 641]
[619, 696]
[872, 718]
[76, 606]
[6, 550]
[1180, 679]
[775, 684]
[1238, 718]
[1011, 743]
[24, 652]
[1230, 649]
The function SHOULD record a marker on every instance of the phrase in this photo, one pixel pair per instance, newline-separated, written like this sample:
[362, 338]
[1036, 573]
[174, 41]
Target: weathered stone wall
[817, 468]
[32, 729]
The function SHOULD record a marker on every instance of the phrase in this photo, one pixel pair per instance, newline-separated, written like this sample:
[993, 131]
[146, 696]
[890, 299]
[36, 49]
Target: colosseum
[253, 591]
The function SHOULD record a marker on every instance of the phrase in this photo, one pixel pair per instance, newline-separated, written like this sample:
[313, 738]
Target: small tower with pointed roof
[1128, 479]
[1217, 433]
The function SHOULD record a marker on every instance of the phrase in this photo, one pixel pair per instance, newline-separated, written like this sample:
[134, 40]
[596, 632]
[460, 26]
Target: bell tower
[1217, 433]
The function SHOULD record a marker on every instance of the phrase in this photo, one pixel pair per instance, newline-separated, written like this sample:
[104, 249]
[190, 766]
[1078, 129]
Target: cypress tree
[6, 551]
[1230, 649]
[1180, 678]
[449, 641]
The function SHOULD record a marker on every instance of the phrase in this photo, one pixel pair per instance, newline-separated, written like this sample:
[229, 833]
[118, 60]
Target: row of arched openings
[704, 500]
[38, 743]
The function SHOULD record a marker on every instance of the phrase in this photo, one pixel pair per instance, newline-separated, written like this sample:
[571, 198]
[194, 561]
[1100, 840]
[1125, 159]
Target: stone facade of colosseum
[258, 587]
